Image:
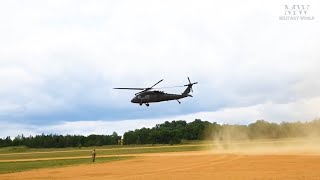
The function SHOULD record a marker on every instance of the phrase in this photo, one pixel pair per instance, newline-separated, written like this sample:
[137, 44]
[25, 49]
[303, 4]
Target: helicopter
[147, 96]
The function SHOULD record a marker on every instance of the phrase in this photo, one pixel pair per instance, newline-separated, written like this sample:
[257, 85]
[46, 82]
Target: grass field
[15, 159]
[75, 152]
[23, 149]
[9, 167]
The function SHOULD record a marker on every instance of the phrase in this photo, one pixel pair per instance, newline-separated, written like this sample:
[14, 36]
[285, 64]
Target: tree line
[173, 133]
[60, 141]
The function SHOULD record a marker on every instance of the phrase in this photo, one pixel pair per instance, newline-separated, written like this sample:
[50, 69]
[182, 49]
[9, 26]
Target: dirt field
[269, 160]
[188, 165]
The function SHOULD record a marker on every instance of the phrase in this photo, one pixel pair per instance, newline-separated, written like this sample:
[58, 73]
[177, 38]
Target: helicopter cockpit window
[141, 96]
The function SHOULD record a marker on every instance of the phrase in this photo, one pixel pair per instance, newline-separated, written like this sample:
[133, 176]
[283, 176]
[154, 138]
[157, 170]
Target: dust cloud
[238, 140]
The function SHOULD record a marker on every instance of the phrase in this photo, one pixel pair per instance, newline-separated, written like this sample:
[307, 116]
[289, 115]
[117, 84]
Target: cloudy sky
[59, 61]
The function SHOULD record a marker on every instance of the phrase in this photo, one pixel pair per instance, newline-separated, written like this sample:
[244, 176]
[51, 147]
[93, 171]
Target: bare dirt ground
[189, 165]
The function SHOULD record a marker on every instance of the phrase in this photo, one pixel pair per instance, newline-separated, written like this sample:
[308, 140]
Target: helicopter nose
[133, 100]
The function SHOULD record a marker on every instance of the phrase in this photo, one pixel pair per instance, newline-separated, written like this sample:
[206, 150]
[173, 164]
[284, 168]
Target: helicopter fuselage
[156, 96]
[146, 96]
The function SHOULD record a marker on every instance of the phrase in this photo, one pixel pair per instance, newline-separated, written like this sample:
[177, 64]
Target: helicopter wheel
[140, 104]
[147, 104]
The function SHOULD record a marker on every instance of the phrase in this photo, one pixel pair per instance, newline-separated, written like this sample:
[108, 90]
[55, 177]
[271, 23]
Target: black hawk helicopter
[146, 96]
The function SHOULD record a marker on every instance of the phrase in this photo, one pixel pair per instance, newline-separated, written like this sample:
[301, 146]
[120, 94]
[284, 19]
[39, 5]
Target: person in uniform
[93, 154]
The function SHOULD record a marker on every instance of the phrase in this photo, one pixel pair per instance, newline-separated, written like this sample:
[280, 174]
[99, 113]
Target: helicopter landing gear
[140, 104]
[178, 101]
[147, 104]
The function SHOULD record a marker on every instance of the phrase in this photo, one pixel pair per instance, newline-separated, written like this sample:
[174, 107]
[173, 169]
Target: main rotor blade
[131, 88]
[167, 87]
[189, 80]
[155, 84]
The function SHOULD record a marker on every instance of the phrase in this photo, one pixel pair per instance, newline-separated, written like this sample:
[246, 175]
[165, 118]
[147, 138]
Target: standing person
[93, 154]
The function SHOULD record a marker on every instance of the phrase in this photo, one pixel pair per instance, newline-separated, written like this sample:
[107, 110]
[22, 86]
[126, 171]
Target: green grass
[75, 152]
[22, 149]
[19, 153]
[10, 167]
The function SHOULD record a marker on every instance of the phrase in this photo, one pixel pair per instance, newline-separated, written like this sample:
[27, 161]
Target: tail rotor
[190, 84]
[189, 87]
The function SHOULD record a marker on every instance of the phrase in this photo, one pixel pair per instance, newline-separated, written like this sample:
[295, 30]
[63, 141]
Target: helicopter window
[141, 96]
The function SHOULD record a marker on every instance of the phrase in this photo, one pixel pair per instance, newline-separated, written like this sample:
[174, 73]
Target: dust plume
[262, 137]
